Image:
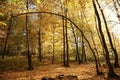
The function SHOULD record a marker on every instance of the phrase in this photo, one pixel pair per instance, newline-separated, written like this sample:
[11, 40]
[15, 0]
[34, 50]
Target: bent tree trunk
[111, 72]
[91, 33]
[116, 63]
[63, 17]
[96, 63]
[76, 44]
[107, 57]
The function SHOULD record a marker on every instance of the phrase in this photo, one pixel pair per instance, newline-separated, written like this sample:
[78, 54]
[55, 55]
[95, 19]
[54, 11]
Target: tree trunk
[93, 39]
[64, 58]
[76, 57]
[83, 50]
[111, 72]
[76, 44]
[39, 44]
[116, 63]
[30, 66]
[66, 37]
[96, 63]
[53, 56]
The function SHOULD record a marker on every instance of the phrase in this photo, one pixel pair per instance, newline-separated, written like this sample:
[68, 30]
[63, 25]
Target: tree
[53, 57]
[76, 44]
[116, 64]
[111, 72]
[30, 66]
[64, 59]
[67, 46]
[65, 35]
[39, 44]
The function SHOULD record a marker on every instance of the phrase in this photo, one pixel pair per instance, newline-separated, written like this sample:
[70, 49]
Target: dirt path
[83, 71]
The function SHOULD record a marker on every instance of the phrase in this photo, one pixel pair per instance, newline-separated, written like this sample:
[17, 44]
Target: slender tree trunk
[96, 63]
[116, 64]
[83, 50]
[66, 37]
[53, 56]
[82, 38]
[39, 44]
[111, 72]
[77, 40]
[30, 66]
[96, 51]
[82, 57]
[64, 58]
[76, 44]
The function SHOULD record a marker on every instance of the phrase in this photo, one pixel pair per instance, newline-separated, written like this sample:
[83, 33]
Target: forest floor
[84, 71]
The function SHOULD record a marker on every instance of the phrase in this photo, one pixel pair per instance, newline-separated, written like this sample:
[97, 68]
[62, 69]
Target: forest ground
[84, 71]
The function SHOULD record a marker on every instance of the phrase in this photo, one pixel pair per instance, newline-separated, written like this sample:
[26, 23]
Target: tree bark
[39, 44]
[93, 40]
[76, 44]
[82, 39]
[53, 56]
[83, 50]
[66, 37]
[111, 72]
[64, 58]
[116, 63]
[30, 66]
